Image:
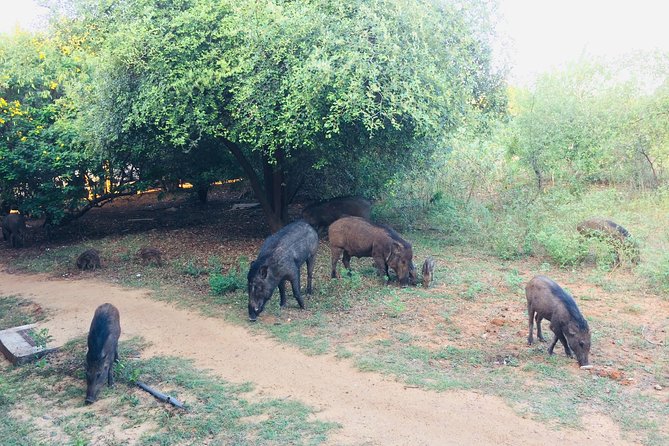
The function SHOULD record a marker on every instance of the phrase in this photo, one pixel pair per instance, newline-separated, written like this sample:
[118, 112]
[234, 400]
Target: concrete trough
[19, 347]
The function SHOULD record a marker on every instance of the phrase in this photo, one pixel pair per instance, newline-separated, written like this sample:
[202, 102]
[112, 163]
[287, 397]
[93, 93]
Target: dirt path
[372, 409]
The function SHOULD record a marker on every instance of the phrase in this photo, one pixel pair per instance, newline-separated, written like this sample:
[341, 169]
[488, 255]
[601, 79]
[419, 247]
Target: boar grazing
[356, 237]
[89, 259]
[102, 350]
[617, 236]
[428, 271]
[321, 215]
[280, 258]
[150, 255]
[13, 229]
[547, 300]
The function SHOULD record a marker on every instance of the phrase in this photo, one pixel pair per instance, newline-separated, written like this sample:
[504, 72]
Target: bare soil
[372, 409]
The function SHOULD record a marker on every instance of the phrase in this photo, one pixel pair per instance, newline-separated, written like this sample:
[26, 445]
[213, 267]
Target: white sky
[548, 34]
[541, 34]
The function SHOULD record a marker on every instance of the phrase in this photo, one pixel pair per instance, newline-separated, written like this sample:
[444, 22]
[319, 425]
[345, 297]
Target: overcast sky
[542, 34]
[549, 34]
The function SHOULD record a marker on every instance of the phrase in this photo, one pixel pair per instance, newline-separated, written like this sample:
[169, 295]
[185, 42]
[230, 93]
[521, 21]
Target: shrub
[233, 280]
[656, 272]
[563, 247]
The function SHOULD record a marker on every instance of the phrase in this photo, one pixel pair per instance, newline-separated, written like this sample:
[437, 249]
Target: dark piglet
[547, 300]
[356, 237]
[322, 214]
[89, 259]
[280, 258]
[13, 229]
[102, 350]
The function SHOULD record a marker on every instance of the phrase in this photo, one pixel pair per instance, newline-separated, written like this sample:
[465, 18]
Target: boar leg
[336, 252]
[346, 260]
[282, 293]
[381, 266]
[553, 342]
[540, 334]
[295, 283]
[567, 349]
[530, 336]
[311, 261]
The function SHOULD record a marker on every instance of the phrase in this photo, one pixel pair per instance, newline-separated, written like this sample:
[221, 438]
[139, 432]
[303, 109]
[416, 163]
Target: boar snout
[254, 311]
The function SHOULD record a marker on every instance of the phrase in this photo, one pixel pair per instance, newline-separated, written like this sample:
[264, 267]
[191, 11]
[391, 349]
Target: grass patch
[15, 311]
[40, 405]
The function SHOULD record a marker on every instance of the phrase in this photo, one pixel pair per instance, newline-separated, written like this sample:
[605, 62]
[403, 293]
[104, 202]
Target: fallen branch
[643, 334]
[161, 396]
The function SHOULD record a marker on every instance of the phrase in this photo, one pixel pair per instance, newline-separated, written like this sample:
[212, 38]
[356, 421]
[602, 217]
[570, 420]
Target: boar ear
[397, 247]
[263, 272]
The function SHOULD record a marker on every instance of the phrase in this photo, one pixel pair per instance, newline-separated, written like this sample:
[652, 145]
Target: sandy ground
[372, 409]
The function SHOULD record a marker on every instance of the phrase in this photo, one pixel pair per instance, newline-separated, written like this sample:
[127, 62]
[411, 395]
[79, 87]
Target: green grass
[15, 311]
[50, 400]
[437, 339]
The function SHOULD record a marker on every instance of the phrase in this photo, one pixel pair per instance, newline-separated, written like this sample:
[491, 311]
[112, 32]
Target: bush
[656, 272]
[234, 279]
[564, 248]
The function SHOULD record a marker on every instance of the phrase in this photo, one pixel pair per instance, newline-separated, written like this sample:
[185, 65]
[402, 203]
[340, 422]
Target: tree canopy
[337, 96]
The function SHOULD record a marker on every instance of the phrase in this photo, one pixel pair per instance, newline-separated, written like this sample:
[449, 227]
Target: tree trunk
[272, 208]
[652, 167]
[202, 191]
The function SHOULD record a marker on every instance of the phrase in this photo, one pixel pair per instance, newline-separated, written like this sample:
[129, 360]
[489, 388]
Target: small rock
[138, 275]
[657, 387]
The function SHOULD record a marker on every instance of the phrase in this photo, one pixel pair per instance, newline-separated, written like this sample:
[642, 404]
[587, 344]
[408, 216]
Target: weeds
[234, 279]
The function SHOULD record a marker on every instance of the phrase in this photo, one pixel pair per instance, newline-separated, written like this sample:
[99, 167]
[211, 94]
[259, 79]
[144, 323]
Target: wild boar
[356, 237]
[13, 229]
[547, 300]
[280, 258]
[89, 259]
[320, 215]
[102, 350]
[617, 236]
[428, 271]
[150, 255]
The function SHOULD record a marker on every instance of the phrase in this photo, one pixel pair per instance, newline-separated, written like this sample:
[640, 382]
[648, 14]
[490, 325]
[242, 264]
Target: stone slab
[19, 347]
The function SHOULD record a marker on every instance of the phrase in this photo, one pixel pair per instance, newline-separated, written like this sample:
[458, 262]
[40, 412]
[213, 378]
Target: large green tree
[287, 87]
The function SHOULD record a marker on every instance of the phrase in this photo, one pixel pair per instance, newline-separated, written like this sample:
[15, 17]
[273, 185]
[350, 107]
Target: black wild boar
[13, 229]
[356, 237]
[280, 258]
[428, 271]
[614, 234]
[150, 255]
[321, 215]
[547, 300]
[102, 350]
[89, 259]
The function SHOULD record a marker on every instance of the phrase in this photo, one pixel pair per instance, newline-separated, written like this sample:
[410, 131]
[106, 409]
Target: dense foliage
[337, 96]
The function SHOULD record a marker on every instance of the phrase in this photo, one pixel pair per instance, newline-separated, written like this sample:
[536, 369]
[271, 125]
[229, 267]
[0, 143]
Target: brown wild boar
[320, 215]
[617, 236]
[102, 350]
[547, 300]
[14, 228]
[356, 237]
[150, 255]
[89, 259]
